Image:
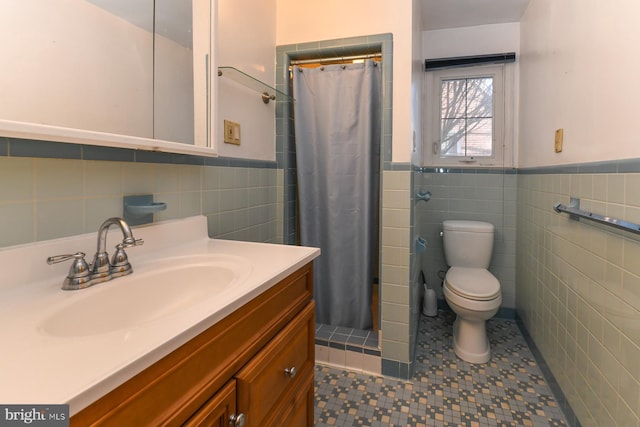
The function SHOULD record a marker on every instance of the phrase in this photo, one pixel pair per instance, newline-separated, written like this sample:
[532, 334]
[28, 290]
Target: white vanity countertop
[38, 367]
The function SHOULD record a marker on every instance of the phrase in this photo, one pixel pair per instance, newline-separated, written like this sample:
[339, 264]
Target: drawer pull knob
[236, 420]
[290, 372]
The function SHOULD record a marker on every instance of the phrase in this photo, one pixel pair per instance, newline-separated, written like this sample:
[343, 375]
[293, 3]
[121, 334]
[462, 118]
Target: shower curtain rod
[335, 58]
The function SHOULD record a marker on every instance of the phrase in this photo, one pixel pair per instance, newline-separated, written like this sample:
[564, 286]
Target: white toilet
[471, 291]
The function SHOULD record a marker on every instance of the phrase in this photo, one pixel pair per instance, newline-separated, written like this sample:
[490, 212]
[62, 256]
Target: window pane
[452, 137]
[479, 137]
[480, 98]
[454, 98]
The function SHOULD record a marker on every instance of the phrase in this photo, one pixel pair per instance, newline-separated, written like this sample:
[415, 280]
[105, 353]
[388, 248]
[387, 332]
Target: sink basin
[158, 290]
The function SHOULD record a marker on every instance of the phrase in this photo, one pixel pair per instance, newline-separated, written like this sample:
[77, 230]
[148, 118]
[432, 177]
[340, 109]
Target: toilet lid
[472, 283]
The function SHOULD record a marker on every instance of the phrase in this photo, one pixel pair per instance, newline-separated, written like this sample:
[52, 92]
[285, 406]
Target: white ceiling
[436, 14]
[440, 14]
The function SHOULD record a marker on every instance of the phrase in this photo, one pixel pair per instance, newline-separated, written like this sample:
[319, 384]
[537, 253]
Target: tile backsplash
[45, 198]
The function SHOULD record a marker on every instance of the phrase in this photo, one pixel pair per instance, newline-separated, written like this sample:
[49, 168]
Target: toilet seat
[475, 284]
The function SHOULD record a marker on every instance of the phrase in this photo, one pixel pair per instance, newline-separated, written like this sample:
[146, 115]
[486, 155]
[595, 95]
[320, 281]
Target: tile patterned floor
[445, 391]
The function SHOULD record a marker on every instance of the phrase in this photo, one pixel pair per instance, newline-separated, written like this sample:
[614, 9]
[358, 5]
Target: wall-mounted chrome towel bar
[576, 213]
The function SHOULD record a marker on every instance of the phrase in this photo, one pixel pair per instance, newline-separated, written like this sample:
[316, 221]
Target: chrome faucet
[82, 275]
[119, 266]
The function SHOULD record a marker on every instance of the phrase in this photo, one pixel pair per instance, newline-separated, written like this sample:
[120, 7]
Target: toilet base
[470, 341]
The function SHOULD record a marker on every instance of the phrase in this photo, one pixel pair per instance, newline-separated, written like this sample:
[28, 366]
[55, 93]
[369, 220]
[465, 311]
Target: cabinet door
[278, 370]
[218, 410]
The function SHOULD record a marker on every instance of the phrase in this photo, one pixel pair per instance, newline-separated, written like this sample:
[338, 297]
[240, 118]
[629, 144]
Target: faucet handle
[119, 256]
[130, 241]
[120, 265]
[78, 273]
[60, 258]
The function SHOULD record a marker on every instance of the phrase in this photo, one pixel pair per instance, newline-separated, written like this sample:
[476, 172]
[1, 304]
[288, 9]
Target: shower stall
[337, 140]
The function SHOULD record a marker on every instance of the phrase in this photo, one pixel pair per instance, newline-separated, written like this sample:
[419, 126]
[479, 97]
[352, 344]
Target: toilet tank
[467, 243]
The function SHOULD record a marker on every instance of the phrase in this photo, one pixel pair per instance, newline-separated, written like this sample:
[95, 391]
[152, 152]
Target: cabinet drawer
[263, 381]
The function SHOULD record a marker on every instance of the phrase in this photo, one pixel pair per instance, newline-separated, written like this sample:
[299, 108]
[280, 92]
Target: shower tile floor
[510, 390]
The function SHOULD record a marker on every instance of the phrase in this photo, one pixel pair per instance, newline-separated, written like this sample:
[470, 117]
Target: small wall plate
[231, 132]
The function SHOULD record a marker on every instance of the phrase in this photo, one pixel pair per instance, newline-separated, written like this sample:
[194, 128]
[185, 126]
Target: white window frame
[503, 88]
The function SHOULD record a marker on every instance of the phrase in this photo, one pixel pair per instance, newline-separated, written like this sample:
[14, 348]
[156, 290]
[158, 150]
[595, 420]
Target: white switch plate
[231, 132]
[559, 139]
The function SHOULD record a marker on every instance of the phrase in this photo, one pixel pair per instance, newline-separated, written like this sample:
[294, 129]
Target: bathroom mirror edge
[24, 130]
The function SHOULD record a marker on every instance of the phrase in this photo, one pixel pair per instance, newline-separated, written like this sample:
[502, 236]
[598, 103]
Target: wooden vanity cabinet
[258, 362]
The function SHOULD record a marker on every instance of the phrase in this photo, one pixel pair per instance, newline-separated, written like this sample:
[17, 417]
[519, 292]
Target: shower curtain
[337, 133]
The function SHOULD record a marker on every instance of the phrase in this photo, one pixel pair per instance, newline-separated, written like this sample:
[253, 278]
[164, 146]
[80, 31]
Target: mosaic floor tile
[445, 391]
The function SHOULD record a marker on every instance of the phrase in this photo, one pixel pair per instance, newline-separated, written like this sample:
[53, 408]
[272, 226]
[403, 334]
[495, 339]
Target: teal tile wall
[578, 286]
[43, 197]
[471, 194]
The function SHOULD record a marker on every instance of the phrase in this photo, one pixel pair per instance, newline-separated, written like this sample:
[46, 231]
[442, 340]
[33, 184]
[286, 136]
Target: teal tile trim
[43, 149]
[611, 166]
[393, 368]
[346, 346]
[569, 414]
[91, 152]
[506, 313]
[15, 147]
[389, 166]
[428, 169]
[4, 147]
[159, 157]
[240, 163]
